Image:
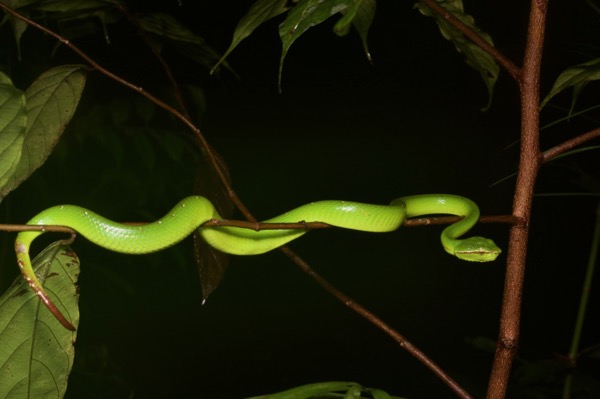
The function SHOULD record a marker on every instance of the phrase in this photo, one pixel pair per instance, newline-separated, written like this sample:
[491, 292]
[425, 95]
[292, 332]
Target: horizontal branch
[257, 226]
[36, 227]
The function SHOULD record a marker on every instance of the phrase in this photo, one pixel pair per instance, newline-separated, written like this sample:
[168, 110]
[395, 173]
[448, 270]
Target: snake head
[477, 249]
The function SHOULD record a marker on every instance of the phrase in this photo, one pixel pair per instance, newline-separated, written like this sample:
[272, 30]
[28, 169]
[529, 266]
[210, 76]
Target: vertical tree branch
[530, 160]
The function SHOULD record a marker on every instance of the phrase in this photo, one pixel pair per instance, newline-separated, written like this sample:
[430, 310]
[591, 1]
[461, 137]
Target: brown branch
[513, 70]
[258, 226]
[553, 152]
[529, 162]
[36, 227]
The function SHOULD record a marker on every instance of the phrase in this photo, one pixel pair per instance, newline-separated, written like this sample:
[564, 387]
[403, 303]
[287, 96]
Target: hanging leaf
[259, 13]
[306, 14]
[476, 58]
[212, 264]
[19, 27]
[168, 30]
[360, 15]
[36, 351]
[577, 77]
[13, 122]
[51, 102]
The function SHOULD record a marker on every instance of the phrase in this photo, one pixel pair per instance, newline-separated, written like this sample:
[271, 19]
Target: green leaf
[36, 351]
[306, 14]
[13, 122]
[476, 58]
[577, 77]
[51, 102]
[310, 390]
[360, 15]
[259, 13]
[354, 392]
[379, 394]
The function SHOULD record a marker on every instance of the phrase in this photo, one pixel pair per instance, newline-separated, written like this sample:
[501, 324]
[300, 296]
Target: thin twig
[258, 226]
[377, 322]
[553, 152]
[36, 227]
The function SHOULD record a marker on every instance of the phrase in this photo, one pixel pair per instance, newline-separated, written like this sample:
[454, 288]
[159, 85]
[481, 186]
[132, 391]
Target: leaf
[354, 392]
[259, 13]
[476, 58]
[578, 77]
[379, 394]
[36, 351]
[310, 390]
[19, 27]
[360, 15]
[306, 14]
[13, 122]
[182, 39]
[212, 264]
[51, 102]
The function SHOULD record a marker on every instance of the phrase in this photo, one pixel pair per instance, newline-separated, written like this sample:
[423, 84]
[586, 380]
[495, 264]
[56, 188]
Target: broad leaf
[259, 13]
[13, 122]
[577, 77]
[476, 58]
[36, 351]
[51, 102]
[303, 16]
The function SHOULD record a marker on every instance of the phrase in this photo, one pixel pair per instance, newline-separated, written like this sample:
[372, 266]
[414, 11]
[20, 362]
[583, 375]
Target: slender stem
[553, 152]
[586, 290]
[257, 226]
[530, 160]
[36, 227]
[377, 322]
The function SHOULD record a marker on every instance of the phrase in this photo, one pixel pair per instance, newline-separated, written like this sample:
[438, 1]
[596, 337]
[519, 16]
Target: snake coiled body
[189, 215]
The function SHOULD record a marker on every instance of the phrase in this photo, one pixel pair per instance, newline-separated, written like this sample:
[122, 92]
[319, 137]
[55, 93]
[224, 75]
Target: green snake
[189, 215]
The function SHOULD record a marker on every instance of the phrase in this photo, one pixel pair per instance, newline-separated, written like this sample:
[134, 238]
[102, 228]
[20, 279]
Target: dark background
[341, 129]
